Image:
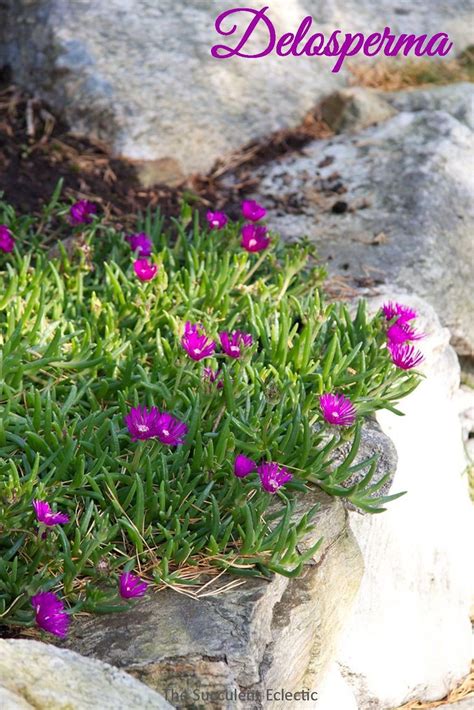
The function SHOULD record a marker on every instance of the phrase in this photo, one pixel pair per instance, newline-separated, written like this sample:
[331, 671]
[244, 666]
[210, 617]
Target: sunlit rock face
[410, 634]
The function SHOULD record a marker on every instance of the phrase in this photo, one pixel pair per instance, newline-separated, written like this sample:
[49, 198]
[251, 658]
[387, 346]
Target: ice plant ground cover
[132, 453]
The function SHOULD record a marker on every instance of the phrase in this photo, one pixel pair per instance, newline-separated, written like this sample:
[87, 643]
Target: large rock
[410, 635]
[258, 637]
[139, 73]
[391, 203]
[38, 676]
[455, 99]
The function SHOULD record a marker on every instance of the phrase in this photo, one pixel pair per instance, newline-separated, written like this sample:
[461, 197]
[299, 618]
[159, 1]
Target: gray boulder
[455, 99]
[35, 675]
[255, 638]
[391, 203]
[139, 74]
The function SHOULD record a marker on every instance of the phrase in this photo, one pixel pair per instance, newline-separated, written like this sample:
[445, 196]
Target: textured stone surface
[13, 701]
[261, 635]
[455, 99]
[410, 635]
[139, 73]
[408, 209]
[44, 677]
[354, 109]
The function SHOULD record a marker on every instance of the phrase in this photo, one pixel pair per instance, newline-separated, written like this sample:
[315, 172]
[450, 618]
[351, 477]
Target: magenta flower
[45, 515]
[273, 476]
[405, 356]
[131, 586]
[216, 220]
[233, 343]
[243, 466]
[253, 211]
[337, 409]
[81, 212]
[49, 613]
[140, 242]
[144, 270]
[6, 239]
[196, 342]
[170, 430]
[143, 424]
[392, 309]
[254, 238]
[400, 332]
[211, 376]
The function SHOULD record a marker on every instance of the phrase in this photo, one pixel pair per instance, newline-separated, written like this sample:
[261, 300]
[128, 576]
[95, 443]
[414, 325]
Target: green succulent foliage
[83, 340]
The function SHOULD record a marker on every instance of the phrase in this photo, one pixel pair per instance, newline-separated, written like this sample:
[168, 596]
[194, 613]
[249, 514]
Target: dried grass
[389, 75]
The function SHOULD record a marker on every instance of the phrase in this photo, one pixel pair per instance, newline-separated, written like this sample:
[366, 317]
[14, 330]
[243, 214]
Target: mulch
[37, 149]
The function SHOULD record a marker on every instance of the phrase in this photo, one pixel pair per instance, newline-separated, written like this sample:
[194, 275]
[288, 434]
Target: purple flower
[49, 613]
[243, 466]
[253, 211]
[254, 238]
[400, 332]
[6, 240]
[144, 270]
[392, 309]
[45, 515]
[81, 212]
[140, 242]
[196, 342]
[211, 375]
[273, 476]
[216, 220]
[405, 356]
[143, 424]
[337, 409]
[131, 586]
[232, 343]
[170, 430]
